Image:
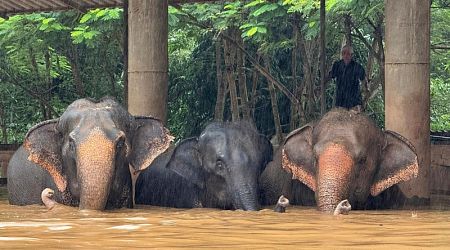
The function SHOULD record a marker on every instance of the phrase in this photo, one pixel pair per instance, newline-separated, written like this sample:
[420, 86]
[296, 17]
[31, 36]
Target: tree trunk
[220, 100]
[125, 54]
[48, 80]
[381, 62]
[255, 80]
[368, 81]
[309, 83]
[347, 29]
[295, 107]
[240, 64]
[229, 56]
[34, 65]
[322, 57]
[42, 97]
[3, 124]
[273, 99]
[73, 58]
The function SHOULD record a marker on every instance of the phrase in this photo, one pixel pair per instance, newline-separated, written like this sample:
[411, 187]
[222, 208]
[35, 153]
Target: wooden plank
[8, 7]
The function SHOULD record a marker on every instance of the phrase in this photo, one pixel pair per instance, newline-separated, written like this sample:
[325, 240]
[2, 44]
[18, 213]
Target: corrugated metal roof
[10, 7]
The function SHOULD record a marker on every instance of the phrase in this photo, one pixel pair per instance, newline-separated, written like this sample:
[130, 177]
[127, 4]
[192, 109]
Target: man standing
[348, 73]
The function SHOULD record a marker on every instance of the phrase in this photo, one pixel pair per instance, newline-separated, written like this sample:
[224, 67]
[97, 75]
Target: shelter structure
[407, 63]
[407, 82]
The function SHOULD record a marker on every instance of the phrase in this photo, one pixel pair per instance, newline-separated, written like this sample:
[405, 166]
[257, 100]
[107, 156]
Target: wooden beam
[57, 3]
[75, 5]
[190, 1]
[28, 6]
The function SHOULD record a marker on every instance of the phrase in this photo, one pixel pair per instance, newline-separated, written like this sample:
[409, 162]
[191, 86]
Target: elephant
[342, 156]
[86, 156]
[218, 169]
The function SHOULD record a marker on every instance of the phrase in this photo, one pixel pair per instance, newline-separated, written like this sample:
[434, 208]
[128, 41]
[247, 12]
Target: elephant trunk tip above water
[346, 156]
[85, 156]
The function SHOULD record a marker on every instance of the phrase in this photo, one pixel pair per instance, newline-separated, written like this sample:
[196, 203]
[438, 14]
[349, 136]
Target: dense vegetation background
[238, 60]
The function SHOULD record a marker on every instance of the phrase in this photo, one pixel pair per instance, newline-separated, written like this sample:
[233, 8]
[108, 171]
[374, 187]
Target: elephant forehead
[86, 118]
[213, 141]
[335, 160]
[97, 146]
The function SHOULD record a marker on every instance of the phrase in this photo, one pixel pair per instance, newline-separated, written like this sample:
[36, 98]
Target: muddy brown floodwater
[154, 227]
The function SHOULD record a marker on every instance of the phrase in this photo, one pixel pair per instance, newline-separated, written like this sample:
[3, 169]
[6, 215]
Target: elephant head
[346, 156]
[225, 162]
[88, 150]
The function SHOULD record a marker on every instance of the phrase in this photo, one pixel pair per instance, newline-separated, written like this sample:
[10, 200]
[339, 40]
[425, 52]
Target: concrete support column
[408, 82]
[148, 57]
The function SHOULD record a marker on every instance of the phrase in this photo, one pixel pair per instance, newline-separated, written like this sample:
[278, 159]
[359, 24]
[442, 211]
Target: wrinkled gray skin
[85, 156]
[159, 186]
[221, 167]
[275, 181]
[343, 156]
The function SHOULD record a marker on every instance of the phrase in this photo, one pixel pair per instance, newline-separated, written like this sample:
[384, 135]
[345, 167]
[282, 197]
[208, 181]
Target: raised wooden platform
[6, 151]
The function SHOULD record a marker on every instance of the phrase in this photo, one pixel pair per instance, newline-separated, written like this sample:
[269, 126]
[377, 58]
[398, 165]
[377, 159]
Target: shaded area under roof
[11, 7]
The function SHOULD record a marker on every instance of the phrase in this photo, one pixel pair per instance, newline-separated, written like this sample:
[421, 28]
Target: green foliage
[440, 70]
[440, 103]
[40, 54]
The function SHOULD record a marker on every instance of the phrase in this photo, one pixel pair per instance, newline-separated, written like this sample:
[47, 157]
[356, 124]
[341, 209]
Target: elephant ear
[186, 162]
[43, 143]
[265, 148]
[298, 157]
[150, 139]
[398, 163]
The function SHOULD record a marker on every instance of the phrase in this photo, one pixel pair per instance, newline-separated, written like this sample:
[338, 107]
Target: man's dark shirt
[347, 77]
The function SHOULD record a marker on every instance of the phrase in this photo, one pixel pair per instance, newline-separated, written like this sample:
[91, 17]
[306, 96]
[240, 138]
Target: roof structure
[11, 7]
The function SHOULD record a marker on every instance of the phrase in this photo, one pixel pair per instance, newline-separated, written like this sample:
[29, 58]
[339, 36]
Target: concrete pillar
[148, 57]
[408, 82]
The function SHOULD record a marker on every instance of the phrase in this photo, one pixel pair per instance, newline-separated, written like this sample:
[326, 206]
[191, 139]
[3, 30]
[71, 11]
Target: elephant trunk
[245, 196]
[96, 163]
[333, 179]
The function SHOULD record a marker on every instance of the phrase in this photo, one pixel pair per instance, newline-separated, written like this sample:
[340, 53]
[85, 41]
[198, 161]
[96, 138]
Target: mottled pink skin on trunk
[96, 159]
[334, 172]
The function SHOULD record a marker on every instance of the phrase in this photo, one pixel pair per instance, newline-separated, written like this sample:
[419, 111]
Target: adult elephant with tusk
[343, 156]
[85, 156]
[219, 169]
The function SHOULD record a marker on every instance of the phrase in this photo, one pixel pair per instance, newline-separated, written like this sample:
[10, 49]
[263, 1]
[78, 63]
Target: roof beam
[74, 5]
[190, 1]
[10, 7]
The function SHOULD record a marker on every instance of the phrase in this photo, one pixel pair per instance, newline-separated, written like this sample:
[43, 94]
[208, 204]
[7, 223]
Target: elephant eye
[362, 160]
[220, 165]
[71, 144]
[120, 144]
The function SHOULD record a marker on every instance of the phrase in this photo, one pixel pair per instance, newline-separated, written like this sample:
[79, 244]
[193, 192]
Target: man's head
[346, 53]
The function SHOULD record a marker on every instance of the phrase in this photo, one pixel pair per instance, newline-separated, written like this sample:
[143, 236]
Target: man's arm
[332, 73]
